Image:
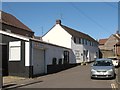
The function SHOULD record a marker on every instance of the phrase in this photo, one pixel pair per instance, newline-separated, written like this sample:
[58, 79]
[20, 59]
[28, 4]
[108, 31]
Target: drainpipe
[1, 78]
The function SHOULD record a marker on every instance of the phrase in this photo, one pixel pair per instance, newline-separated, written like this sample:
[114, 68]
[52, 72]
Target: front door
[4, 60]
[38, 62]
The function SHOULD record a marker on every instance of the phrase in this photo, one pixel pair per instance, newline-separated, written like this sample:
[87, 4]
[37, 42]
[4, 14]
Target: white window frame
[15, 51]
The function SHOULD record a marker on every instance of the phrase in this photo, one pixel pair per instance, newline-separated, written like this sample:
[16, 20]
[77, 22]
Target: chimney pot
[58, 22]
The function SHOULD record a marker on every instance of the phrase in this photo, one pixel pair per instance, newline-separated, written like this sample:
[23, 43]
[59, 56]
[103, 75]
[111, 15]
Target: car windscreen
[102, 63]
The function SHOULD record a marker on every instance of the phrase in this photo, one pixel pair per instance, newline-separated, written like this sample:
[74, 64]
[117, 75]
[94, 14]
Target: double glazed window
[84, 41]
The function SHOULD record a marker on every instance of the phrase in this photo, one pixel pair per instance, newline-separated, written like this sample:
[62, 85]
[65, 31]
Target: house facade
[29, 57]
[110, 47]
[10, 28]
[84, 47]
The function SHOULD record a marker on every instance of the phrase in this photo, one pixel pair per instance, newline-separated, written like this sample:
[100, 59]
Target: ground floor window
[54, 61]
[66, 57]
[15, 51]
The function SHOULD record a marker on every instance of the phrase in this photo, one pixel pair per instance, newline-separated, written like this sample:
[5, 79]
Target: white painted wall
[92, 50]
[57, 52]
[52, 51]
[57, 35]
[75, 48]
[27, 53]
[79, 47]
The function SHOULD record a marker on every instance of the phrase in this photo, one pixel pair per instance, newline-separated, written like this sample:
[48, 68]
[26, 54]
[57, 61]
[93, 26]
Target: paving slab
[11, 79]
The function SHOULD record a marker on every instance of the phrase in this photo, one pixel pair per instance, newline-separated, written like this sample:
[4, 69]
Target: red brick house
[110, 46]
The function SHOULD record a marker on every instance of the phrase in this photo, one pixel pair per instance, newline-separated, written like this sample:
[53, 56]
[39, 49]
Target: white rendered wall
[57, 52]
[79, 47]
[57, 35]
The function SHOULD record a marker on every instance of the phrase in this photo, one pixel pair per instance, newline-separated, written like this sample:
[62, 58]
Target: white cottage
[84, 47]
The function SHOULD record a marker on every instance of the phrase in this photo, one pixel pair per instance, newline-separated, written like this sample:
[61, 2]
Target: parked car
[102, 68]
[116, 62]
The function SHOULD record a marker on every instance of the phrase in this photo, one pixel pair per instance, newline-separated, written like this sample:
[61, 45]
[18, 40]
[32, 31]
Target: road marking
[113, 86]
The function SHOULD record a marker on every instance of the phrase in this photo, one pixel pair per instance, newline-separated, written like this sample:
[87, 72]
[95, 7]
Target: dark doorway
[4, 60]
[66, 57]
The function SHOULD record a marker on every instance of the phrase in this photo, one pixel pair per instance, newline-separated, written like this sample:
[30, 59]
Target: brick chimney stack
[58, 22]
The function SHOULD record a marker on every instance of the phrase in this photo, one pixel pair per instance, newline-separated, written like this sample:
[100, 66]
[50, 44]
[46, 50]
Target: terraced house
[84, 47]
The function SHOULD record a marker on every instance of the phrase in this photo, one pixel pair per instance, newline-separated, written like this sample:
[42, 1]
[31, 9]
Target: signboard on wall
[77, 54]
[38, 45]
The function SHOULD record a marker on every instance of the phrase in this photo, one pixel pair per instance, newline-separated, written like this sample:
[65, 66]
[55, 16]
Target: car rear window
[102, 63]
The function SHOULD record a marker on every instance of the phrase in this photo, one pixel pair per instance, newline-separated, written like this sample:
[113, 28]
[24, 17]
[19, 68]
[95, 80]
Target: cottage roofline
[73, 32]
[14, 35]
[11, 20]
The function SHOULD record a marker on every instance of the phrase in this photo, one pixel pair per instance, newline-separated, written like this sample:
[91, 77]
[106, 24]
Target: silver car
[102, 68]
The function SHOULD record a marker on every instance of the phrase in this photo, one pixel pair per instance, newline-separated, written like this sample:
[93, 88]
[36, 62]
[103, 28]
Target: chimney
[58, 22]
[117, 32]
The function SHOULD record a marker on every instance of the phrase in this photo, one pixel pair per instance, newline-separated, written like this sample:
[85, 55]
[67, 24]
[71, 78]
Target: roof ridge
[6, 19]
[75, 32]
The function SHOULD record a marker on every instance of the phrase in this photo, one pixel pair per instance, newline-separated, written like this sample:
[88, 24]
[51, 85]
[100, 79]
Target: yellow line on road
[113, 86]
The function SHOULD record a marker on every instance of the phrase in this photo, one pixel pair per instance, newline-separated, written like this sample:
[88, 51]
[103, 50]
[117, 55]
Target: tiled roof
[102, 41]
[78, 34]
[13, 21]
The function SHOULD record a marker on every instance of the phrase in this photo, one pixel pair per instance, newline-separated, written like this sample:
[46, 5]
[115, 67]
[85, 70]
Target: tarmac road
[77, 77]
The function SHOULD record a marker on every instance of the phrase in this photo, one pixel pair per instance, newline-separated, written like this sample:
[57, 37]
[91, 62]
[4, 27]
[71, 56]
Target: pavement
[14, 81]
[10, 79]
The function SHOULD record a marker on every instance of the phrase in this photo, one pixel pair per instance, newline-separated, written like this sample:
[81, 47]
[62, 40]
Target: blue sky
[98, 19]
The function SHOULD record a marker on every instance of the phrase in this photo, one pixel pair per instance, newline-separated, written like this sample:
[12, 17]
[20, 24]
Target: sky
[97, 19]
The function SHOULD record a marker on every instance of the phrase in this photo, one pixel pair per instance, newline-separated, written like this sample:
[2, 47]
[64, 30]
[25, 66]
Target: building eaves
[11, 20]
[14, 35]
[78, 34]
[117, 36]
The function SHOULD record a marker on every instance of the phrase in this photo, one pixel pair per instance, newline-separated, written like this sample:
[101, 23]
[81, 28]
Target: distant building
[84, 47]
[110, 47]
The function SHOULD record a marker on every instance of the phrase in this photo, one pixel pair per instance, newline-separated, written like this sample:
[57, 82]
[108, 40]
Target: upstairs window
[79, 40]
[75, 40]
